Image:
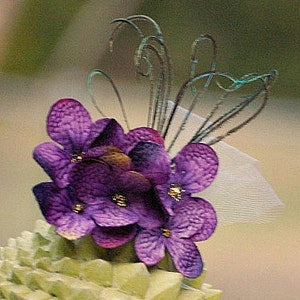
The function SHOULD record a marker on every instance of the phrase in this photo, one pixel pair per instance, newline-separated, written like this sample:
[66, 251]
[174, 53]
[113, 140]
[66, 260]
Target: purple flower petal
[196, 167]
[185, 256]
[193, 218]
[110, 155]
[69, 124]
[55, 161]
[132, 181]
[112, 215]
[210, 223]
[149, 246]
[108, 132]
[53, 202]
[56, 206]
[140, 134]
[148, 210]
[91, 180]
[73, 226]
[152, 161]
[112, 237]
[167, 201]
[95, 152]
[96, 129]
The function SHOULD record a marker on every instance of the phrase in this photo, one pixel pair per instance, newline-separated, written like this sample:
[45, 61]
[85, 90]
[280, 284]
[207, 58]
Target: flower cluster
[118, 187]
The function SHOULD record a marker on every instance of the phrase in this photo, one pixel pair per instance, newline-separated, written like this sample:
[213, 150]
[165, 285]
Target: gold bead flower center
[175, 191]
[78, 208]
[120, 200]
[166, 232]
[76, 157]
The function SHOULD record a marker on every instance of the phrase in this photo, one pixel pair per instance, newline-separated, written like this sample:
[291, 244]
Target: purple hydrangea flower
[193, 169]
[69, 124]
[193, 220]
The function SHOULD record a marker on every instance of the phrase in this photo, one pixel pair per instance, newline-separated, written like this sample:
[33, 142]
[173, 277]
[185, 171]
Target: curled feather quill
[240, 193]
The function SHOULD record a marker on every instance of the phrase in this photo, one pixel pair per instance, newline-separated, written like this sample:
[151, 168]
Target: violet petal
[185, 256]
[112, 215]
[147, 208]
[193, 217]
[108, 132]
[149, 246]
[56, 206]
[91, 180]
[196, 167]
[73, 226]
[109, 155]
[167, 201]
[55, 161]
[69, 124]
[140, 134]
[210, 223]
[53, 202]
[111, 237]
[95, 152]
[152, 161]
[133, 182]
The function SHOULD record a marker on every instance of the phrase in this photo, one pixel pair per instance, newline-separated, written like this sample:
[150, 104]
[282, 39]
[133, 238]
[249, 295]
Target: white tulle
[239, 193]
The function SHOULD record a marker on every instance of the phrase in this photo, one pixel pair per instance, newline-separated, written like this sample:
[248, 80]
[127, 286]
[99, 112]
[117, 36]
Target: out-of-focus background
[47, 49]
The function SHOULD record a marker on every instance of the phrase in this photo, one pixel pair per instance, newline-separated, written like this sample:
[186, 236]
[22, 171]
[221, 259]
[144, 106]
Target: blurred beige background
[246, 261]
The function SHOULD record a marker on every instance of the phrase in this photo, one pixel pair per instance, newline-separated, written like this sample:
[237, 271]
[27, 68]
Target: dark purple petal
[56, 206]
[96, 129]
[95, 152]
[109, 155]
[108, 132]
[69, 124]
[110, 214]
[73, 226]
[149, 246]
[193, 218]
[91, 180]
[140, 134]
[168, 202]
[152, 161]
[55, 161]
[53, 202]
[112, 237]
[132, 181]
[196, 167]
[185, 256]
[147, 208]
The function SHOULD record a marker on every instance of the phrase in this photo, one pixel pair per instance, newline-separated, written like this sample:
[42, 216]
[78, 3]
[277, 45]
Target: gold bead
[120, 200]
[175, 191]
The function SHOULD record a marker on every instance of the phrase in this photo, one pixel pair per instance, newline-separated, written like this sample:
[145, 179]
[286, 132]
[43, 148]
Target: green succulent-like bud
[42, 265]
